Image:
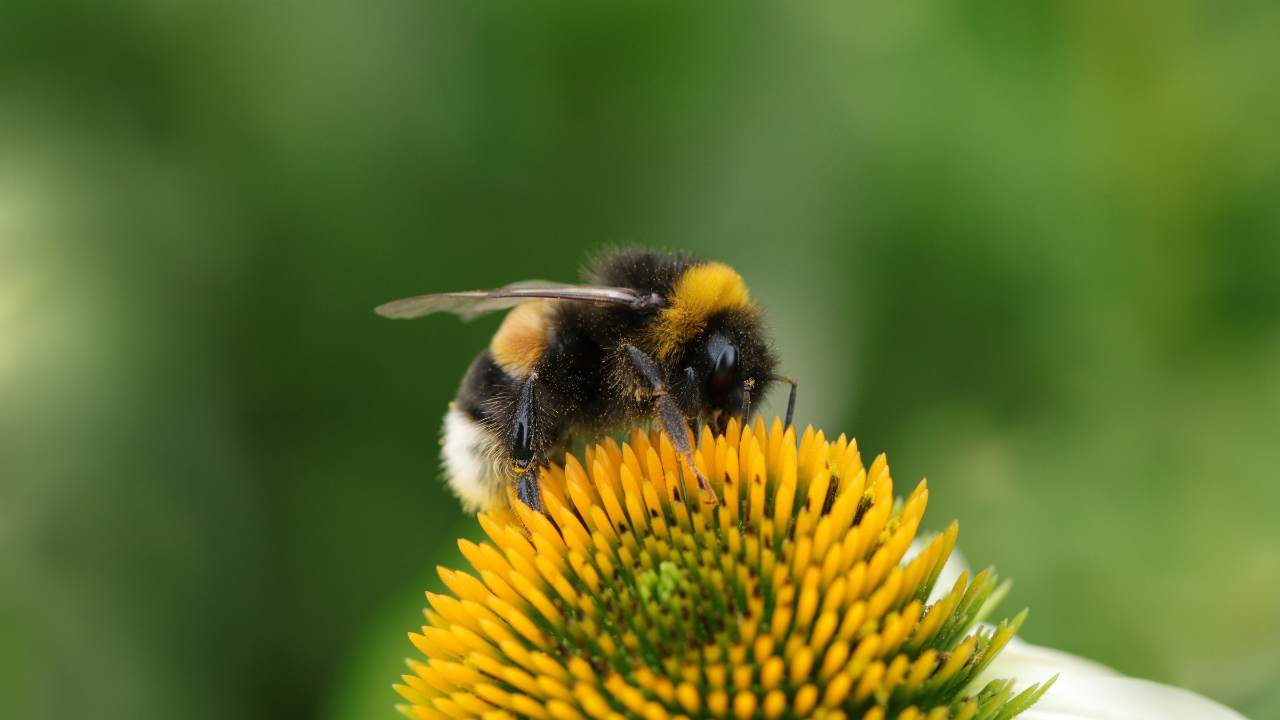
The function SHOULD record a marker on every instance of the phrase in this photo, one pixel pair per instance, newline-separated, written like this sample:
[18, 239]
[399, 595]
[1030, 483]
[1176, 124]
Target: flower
[1086, 690]
[804, 593]
[788, 599]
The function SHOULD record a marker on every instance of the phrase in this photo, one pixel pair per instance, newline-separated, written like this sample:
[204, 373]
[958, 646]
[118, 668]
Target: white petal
[1086, 690]
[1033, 663]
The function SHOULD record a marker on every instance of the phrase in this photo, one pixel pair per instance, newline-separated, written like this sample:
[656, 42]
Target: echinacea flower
[1084, 689]
[789, 598]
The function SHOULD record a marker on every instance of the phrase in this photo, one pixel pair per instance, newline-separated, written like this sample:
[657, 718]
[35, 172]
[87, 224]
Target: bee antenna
[791, 397]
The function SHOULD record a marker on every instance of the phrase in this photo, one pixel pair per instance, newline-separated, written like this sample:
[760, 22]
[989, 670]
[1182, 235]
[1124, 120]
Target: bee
[650, 336]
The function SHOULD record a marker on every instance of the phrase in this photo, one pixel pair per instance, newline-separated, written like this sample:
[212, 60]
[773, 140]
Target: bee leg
[688, 397]
[691, 400]
[528, 491]
[677, 429]
[673, 420]
[791, 398]
[691, 381]
[520, 442]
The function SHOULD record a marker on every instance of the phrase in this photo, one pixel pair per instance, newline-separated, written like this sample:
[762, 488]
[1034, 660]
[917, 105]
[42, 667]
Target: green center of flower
[662, 585]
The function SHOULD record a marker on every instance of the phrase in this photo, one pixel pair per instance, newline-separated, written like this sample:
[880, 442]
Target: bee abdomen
[472, 463]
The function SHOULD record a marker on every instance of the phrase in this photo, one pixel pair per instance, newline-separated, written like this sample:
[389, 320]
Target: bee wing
[473, 303]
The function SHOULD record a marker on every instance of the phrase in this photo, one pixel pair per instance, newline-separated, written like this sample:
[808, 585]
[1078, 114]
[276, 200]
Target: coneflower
[792, 597]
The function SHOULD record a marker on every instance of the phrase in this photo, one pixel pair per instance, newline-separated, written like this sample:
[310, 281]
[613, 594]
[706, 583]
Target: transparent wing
[473, 303]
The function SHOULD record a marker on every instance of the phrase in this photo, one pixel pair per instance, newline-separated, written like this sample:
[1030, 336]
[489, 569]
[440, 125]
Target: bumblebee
[650, 336]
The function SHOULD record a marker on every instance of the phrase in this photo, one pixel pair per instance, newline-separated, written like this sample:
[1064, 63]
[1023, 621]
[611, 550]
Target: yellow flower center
[789, 599]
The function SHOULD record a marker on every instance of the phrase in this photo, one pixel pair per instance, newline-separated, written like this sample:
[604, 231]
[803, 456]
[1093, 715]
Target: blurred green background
[1032, 250]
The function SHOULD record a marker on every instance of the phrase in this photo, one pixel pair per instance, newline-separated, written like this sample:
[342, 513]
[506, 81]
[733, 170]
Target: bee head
[709, 336]
[727, 369]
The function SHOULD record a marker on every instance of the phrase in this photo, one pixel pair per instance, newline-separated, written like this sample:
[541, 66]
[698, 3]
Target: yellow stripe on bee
[702, 291]
[522, 338]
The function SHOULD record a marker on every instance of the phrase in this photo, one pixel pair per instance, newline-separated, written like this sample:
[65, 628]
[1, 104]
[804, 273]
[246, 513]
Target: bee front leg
[521, 443]
[673, 420]
[692, 395]
[528, 490]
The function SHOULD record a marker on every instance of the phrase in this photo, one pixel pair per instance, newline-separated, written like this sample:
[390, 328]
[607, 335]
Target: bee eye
[723, 364]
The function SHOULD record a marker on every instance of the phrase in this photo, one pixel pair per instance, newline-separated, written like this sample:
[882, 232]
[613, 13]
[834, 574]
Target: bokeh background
[1032, 250]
